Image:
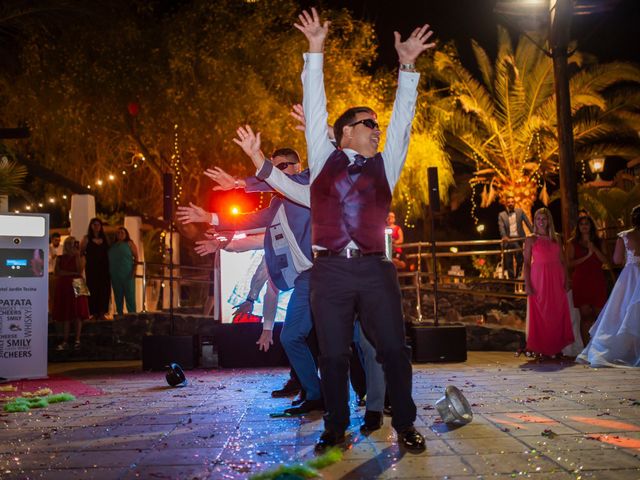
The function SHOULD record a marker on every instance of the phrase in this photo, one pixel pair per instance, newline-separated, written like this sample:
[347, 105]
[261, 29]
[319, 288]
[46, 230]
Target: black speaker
[445, 343]
[158, 351]
[237, 346]
[434, 189]
[167, 197]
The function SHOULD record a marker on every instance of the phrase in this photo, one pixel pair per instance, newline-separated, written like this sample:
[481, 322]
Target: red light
[235, 210]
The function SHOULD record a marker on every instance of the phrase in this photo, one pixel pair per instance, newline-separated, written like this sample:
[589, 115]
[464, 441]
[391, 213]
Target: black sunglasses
[284, 165]
[367, 122]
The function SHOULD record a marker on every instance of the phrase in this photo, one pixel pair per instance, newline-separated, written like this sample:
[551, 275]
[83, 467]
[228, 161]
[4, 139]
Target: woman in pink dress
[549, 327]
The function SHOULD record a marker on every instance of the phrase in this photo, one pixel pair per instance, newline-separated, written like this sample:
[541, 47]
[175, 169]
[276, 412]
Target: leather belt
[346, 253]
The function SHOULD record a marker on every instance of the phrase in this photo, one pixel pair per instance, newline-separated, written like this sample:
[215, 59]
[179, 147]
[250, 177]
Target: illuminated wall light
[17, 211]
[453, 249]
[52, 200]
[99, 182]
[480, 228]
[28, 207]
[135, 165]
[124, 172]
[64, 197]
[112, 177]
[88, 187]
[40, 205]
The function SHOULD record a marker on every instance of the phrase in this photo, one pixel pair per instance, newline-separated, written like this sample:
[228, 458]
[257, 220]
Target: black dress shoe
[306, 407]
[372, 422]
[412, 440]
[328, 439]
[289, 389]
[299, 399]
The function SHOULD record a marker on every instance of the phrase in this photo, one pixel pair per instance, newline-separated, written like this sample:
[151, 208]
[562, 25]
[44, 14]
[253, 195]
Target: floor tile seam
[527, 447]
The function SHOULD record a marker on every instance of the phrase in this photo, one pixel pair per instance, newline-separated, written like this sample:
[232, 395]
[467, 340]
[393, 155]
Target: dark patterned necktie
[356, 167]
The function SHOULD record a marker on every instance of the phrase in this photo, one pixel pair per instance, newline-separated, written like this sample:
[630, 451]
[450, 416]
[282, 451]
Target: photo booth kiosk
[24, 284]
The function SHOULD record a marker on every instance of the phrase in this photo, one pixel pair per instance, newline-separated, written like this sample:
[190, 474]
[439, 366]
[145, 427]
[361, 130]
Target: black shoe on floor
[328, 439]
[412, 440]
[290, 389]
[299, 399]
[306, 407]
[372, 422]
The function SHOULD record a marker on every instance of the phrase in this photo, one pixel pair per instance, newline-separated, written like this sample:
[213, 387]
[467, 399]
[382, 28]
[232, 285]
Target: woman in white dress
[615, 337]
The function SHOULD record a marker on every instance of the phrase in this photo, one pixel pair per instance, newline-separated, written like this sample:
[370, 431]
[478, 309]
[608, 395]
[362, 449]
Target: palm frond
[484, 64]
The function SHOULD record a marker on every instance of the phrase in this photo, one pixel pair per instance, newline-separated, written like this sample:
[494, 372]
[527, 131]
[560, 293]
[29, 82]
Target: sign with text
[23, 295]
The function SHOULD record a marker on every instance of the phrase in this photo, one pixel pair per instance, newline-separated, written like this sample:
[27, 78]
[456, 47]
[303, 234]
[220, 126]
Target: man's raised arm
[314, 102]
[281, 182]
[399, 130]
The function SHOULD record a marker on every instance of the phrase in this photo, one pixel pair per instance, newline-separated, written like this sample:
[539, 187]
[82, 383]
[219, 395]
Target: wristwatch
[408, 67]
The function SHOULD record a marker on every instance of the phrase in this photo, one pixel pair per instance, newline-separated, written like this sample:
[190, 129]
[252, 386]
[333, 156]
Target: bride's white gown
[615, 337]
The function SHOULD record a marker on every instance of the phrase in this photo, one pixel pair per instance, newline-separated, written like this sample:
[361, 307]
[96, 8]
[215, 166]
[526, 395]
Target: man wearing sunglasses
[350, 196]
[289, 260]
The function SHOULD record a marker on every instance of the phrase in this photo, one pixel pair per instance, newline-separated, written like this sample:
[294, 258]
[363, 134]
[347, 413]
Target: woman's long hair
[127, 238]
[550, 228]
[593, 233]
[100, 234]
[67, 246]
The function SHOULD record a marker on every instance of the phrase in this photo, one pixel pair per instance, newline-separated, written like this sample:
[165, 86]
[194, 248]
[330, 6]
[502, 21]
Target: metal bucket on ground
[453, 407]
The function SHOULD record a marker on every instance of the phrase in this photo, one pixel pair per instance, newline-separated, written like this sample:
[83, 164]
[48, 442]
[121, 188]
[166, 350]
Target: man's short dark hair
[55, 235]
[290, 153]
[347, 118]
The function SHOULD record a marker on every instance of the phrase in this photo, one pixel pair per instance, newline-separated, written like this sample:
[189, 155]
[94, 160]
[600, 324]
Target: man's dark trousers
[367, 286]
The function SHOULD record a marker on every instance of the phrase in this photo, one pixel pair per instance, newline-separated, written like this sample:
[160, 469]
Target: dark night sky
[612, 35]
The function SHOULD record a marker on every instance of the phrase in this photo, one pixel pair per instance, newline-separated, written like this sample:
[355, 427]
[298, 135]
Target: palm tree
[504, 124]
[11, 177]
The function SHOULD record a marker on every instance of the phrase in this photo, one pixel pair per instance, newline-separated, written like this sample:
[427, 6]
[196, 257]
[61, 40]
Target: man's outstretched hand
[412, 47]
[265, 340]
[206, 247]
[297, 112]
[223, 179]
[250, 144]
[314, 29]
[193, 214]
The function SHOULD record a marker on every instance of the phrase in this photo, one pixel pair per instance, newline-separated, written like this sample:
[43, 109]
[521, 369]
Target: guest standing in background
[123, 256]
[586, 258]
[68, 307]
[95, 248]
[511, 227]
[615, 337]
[549, 327]
[54, 245]
[397, 239]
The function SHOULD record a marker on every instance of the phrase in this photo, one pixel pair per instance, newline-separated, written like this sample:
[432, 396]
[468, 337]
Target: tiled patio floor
[541, 421]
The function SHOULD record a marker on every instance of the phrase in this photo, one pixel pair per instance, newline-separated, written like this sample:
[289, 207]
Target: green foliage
[12, 176]
[504, 124]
